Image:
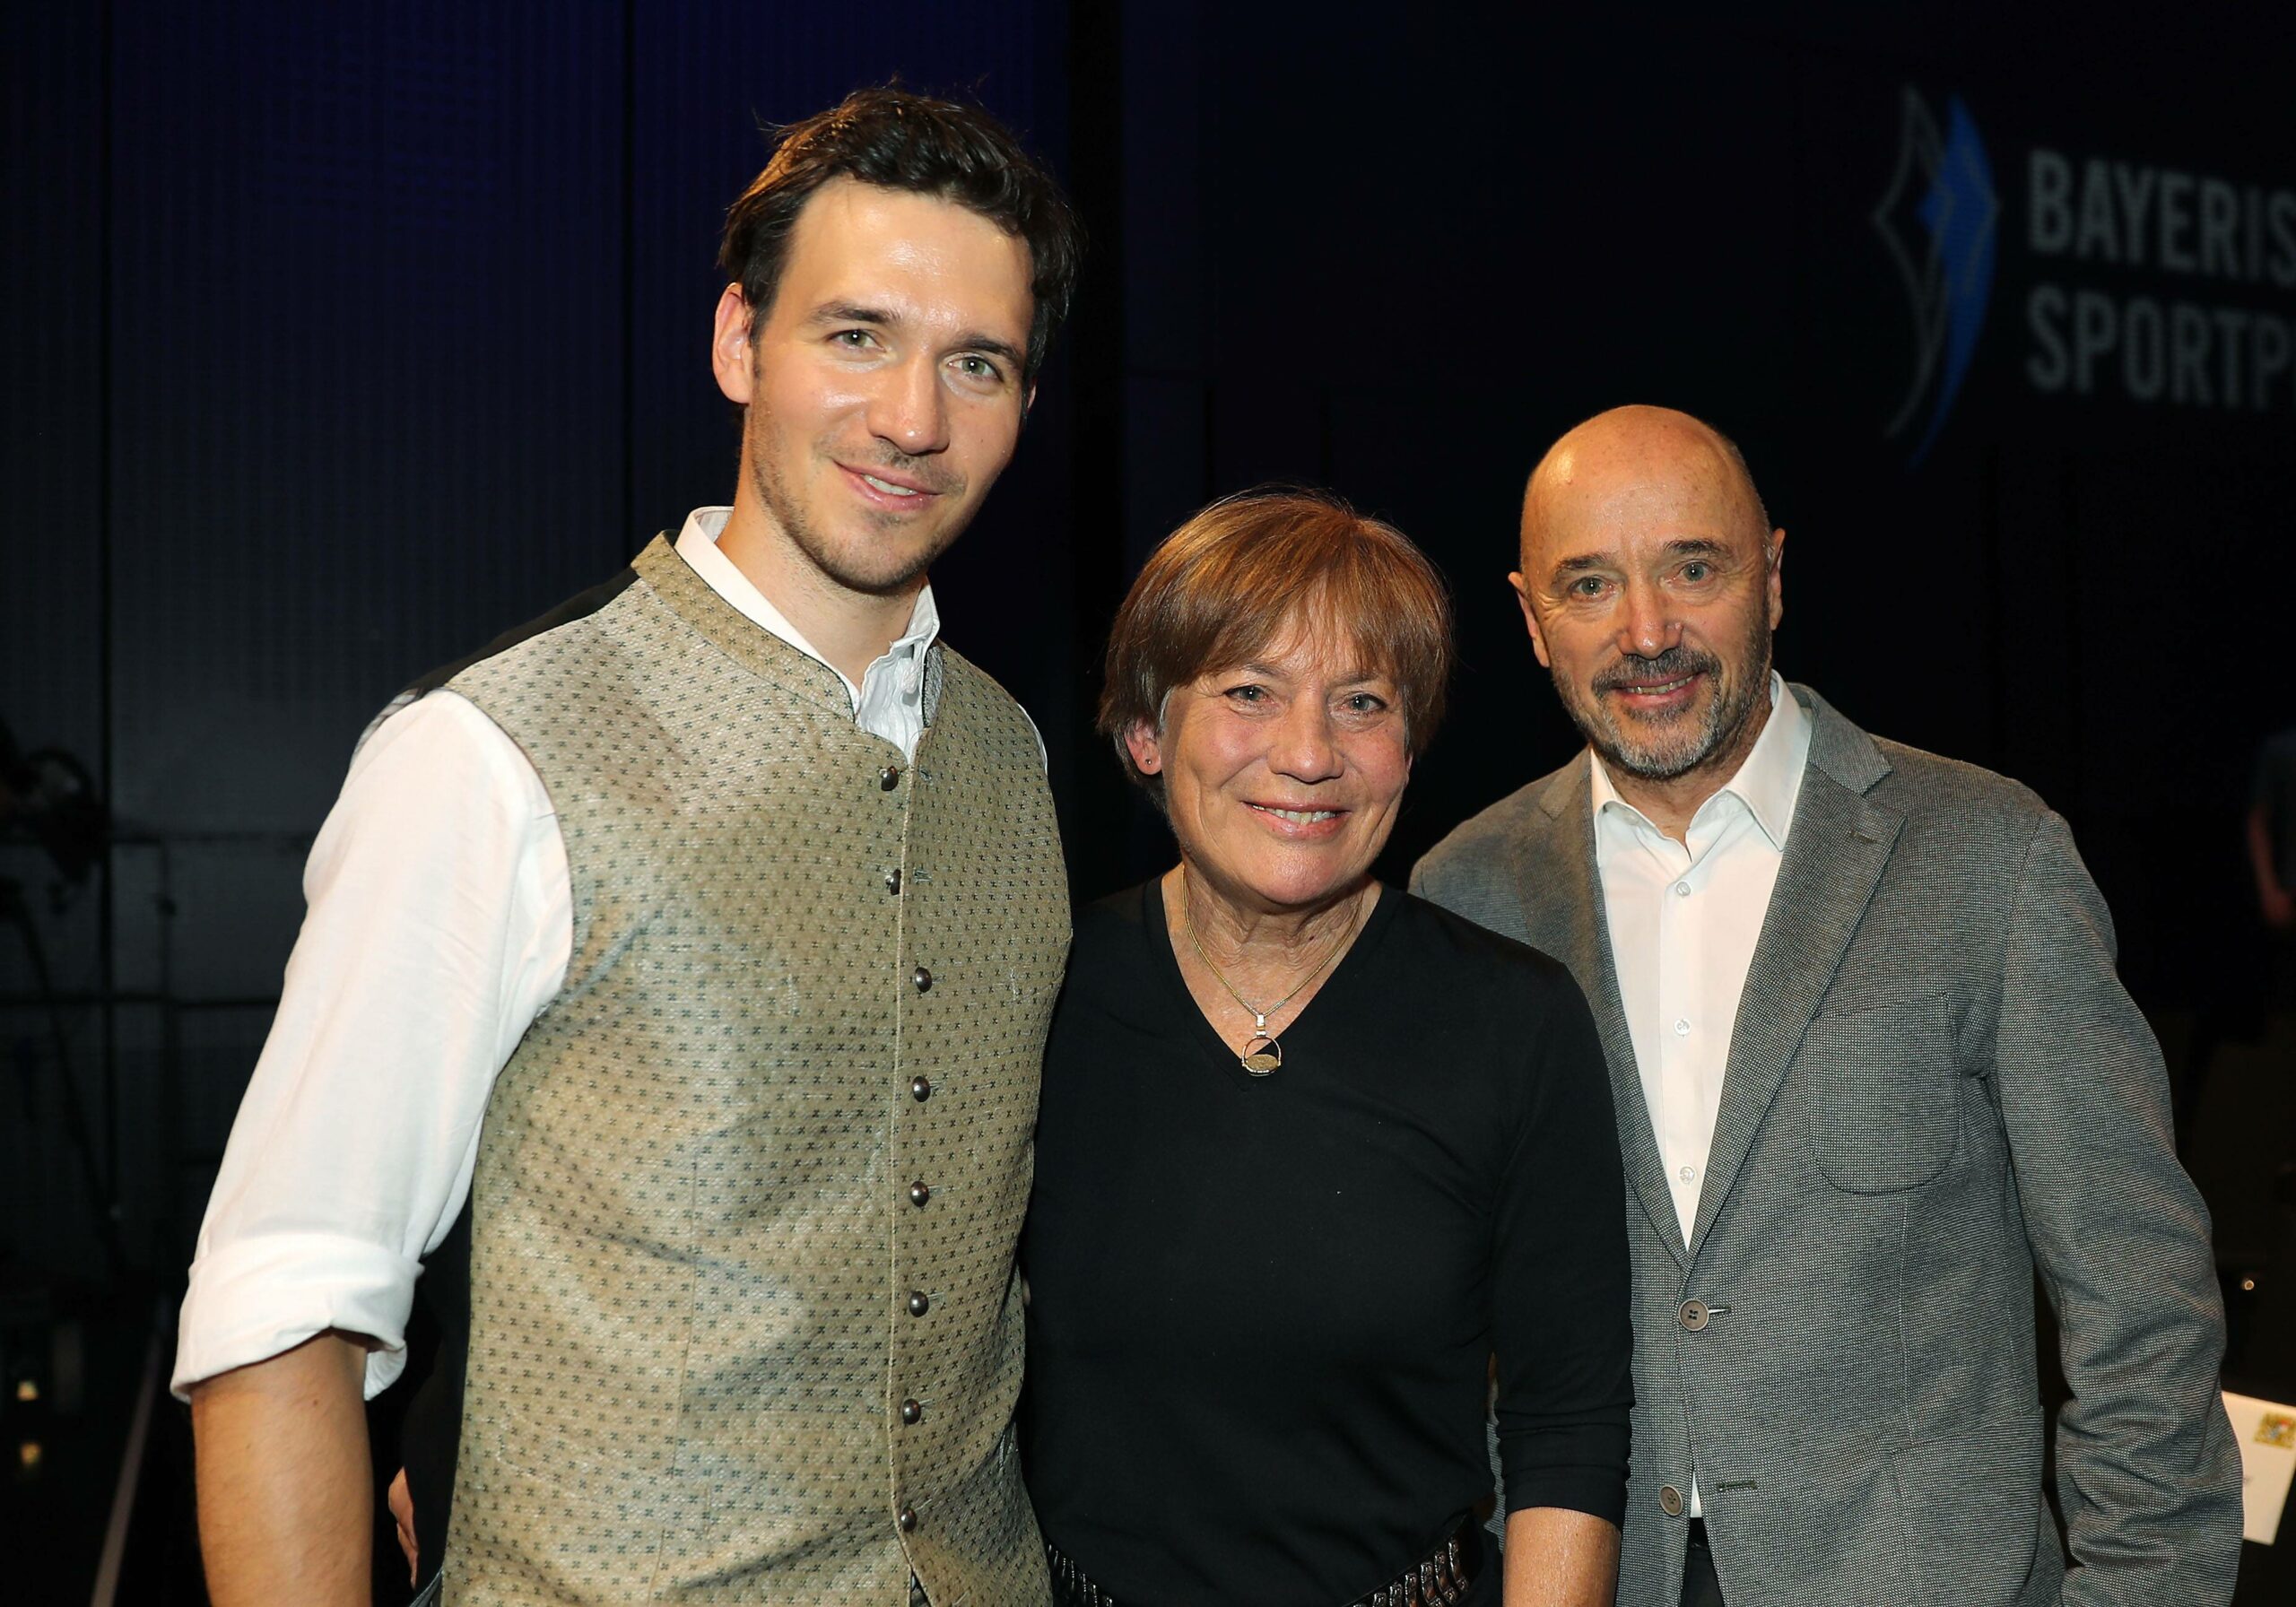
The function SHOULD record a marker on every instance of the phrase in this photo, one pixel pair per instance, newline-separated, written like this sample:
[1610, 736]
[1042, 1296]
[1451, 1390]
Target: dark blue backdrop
[341, 337]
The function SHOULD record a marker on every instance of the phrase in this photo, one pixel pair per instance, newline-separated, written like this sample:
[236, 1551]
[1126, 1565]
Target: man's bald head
[1645, 446]
[1650, 585]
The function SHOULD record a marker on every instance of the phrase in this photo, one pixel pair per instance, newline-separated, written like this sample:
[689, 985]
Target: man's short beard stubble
[789, 513]
[1691, 737]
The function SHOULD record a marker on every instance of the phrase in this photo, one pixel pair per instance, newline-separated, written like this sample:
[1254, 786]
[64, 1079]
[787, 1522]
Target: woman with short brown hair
[1310, 1150]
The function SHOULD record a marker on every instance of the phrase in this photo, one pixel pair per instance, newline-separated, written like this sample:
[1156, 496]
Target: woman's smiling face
[1281, 775]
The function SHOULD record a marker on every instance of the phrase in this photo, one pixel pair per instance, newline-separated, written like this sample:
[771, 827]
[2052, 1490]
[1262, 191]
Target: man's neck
[1669, 805]
[851, 630]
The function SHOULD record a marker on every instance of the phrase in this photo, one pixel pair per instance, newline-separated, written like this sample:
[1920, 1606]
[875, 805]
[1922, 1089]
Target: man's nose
[909, 409]
[1647, 626]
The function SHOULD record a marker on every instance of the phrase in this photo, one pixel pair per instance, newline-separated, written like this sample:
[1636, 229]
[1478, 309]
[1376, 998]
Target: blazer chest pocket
[1885, 1093]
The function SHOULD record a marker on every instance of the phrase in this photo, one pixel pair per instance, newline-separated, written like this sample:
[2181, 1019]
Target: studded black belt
[1441, 1579]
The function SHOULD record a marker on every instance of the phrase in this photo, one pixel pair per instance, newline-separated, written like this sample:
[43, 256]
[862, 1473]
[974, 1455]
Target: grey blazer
[1937, 1085]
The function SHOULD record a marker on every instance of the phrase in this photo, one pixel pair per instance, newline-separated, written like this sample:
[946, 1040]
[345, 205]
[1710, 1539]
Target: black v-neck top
[1263, 1309]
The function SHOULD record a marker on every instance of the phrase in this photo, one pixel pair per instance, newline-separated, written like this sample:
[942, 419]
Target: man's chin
[876, 572]
[1652, 767]
[1681, 746]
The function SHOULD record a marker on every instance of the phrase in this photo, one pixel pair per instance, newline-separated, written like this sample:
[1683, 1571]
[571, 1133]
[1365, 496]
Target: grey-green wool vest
[744, 1325]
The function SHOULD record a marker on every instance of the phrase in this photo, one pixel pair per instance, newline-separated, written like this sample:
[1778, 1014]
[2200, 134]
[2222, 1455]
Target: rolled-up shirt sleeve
[440, 923]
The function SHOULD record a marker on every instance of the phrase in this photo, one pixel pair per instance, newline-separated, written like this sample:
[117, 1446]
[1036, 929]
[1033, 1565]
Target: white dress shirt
[1684, 917]
[440, 923]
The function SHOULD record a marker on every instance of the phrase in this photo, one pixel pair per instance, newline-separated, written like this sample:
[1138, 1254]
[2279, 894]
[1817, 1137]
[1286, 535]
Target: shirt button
[1682, 1028]
[1670, 1500]
[919, 1194]
[893, 882]
[910, 1411]
[918, 1305]
[888, 778]
[906, 1519]
[1689, 1173]
[920, 1088]
[1682, 890]
[924, 980]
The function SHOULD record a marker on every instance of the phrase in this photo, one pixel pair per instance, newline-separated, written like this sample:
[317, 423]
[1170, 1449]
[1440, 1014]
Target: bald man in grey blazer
[1874, 1071]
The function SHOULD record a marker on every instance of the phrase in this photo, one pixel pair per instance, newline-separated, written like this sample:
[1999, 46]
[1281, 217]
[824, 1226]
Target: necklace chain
[1259, 1061]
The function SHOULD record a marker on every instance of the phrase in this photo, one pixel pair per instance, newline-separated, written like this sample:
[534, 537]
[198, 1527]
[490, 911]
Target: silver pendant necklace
[1261, 1053]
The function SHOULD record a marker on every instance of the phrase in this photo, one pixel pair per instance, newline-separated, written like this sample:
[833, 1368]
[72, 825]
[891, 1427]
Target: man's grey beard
[1693, 736]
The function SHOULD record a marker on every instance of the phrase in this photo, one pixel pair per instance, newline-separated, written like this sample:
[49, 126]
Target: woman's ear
[1147, 753]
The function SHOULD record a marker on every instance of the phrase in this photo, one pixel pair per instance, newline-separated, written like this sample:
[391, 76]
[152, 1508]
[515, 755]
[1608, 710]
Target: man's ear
[1530, 616]
[1147, 753]
[729, 346]
[1776, 568]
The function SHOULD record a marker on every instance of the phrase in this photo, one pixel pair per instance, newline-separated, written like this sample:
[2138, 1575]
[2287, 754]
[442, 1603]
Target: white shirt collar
[697, 544]
[1768, 783]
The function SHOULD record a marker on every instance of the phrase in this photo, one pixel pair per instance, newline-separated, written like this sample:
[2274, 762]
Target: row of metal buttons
[920, 1088]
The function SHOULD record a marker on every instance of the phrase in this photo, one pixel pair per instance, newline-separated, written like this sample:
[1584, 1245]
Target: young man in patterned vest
[674, 984]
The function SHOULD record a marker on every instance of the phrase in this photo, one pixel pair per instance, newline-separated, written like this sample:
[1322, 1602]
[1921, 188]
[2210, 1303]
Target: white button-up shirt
[440, 922]
[1684, 917]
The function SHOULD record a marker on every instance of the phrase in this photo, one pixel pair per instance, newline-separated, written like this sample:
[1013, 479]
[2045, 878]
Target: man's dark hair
[901, 141]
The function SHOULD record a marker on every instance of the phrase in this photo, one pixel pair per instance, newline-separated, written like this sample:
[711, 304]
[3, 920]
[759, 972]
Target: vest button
[910, 1411]
[919, 1194]
[906, 1519]
[1670, 1500]
[920, 1088]
[1694, 1314]
[922, 978]
[893, 882]
[918, 1305]
[888, 778]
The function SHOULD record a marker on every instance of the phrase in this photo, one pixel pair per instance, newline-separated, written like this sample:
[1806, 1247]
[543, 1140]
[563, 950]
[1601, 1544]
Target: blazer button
[1670, 1500]
[910, 1411]
[918, 1193]
[1694, 1314]
[922, 978]
[918, 1305]
[920, 1088]
[906, 1519]
[888, 778]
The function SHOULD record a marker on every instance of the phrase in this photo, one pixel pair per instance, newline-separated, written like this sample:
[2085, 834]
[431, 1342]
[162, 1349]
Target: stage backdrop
[340, 338]
[2001, 303]
[343, 339]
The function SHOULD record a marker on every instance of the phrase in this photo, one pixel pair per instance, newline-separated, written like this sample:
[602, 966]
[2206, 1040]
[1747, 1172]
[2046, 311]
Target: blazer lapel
[1577, 931]
[1835, 852]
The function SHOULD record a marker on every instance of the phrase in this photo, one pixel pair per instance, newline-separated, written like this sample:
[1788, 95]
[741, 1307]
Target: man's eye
[1697, 569]
[1587, 586]
[854, 339]
[978, 368]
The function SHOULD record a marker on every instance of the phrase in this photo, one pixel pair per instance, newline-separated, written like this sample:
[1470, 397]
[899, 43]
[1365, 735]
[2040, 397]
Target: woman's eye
[1248, 694]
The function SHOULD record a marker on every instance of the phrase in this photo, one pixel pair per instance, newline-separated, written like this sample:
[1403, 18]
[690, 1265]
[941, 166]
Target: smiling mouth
[1656, 689]
[1298, 817]
[889, 487]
